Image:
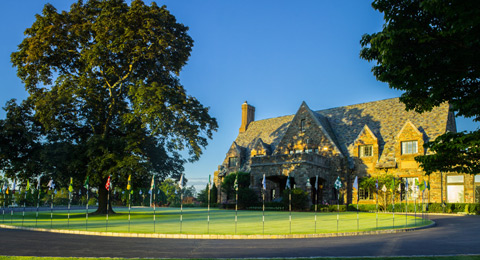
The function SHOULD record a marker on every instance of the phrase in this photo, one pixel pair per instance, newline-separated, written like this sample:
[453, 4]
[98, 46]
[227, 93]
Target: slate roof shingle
[385, 118]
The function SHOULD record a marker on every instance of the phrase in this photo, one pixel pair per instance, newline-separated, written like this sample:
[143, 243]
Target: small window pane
[455, 179]
[413, 191]
[365, 150]
[455, 193]
[232, 162]
[409, 147]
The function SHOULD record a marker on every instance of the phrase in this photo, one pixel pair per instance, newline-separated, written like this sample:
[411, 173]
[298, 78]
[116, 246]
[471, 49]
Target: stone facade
[369, 139]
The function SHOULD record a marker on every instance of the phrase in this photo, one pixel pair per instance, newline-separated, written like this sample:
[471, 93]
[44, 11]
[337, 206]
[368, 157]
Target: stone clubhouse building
[364, 140]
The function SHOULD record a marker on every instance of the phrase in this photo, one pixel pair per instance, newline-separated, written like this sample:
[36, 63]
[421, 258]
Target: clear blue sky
[272, 53]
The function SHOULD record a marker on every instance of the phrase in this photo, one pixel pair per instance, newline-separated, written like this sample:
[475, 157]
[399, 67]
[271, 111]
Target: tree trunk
[103, 199]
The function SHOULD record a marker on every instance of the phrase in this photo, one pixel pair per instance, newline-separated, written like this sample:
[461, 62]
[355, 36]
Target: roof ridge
[370, 102]
[330, 108]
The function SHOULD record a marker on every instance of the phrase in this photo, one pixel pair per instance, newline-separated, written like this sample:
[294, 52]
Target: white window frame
[362, 149]
[409, 147]
[455, 189]
[413, 190]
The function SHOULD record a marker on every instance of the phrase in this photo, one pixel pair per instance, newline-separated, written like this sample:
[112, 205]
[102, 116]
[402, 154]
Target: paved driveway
[452, 235]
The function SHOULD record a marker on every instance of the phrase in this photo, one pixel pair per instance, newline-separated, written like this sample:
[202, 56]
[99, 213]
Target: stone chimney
[248, 116]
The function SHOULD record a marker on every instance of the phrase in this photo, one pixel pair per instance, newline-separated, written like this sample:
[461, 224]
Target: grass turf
[194, 221]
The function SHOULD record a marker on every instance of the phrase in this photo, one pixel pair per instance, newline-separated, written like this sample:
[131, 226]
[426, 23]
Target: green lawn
[167, 221]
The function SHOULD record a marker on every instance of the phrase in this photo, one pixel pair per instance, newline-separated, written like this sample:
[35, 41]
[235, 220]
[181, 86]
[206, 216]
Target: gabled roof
[366, 130]
[385, 119]
[342, 125]
[270, 131]
[410, 124]
[324, 126]
[260, 144]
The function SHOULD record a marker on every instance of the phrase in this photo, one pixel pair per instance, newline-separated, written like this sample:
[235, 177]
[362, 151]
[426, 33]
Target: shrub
[362, 207]
[299, 199]
[246, 198]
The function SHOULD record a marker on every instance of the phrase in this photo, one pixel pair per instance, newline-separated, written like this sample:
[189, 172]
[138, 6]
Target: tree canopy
[431, 50]
[103, 84]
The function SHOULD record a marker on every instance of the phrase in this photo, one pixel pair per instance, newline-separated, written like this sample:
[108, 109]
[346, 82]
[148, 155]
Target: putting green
[222, 222]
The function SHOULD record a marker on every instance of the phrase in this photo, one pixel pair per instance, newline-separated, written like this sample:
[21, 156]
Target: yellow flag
[70, 187]
[129, 179]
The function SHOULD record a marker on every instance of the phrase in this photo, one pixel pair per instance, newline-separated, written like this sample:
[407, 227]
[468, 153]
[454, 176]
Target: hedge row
[471, 208]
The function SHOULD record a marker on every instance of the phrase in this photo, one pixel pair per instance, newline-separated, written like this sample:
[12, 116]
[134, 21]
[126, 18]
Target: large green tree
[103, 82]
[431, 50]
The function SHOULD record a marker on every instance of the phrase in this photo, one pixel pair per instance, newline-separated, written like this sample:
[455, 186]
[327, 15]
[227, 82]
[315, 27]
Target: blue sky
[273, 54]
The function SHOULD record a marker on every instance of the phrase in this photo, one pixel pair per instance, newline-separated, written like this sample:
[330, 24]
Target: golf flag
[264, 182]
[70, 187]
[384, 188]
[355, 183]
[424, 185]
[406, 185]
[152, 185]
[392, 187]
[288, 182]
[420, 186]
[180, 182]
[129, 185]
[141, 192]
[28, 186]
[376, 184]
[6, 191]
[51, 185]
[316, 182]
[14, 184]
[338, 183]
[108, 184]
[86, 182]
[428, 185]
[209, 182]
[235, 185]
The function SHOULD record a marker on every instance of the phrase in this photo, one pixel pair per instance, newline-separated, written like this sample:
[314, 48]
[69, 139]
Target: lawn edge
[218, 236]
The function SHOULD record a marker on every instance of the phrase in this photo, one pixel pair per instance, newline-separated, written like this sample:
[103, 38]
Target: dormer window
[232, 162]
[365, 151]
[302, 125]
[409, 147]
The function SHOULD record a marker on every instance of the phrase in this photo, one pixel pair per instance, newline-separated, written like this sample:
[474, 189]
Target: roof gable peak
[408, 123]
[365, 130]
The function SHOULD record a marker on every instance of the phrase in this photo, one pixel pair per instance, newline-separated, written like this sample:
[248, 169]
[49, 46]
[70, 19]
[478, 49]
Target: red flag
[107, 186]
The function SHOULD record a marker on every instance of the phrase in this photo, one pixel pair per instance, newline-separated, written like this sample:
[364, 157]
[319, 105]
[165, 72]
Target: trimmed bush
[299, 199]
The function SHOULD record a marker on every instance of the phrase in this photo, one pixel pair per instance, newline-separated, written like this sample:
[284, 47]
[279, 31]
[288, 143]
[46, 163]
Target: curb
[205, 236]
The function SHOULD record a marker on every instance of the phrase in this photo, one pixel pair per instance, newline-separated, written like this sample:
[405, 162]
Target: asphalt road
[451, 236]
